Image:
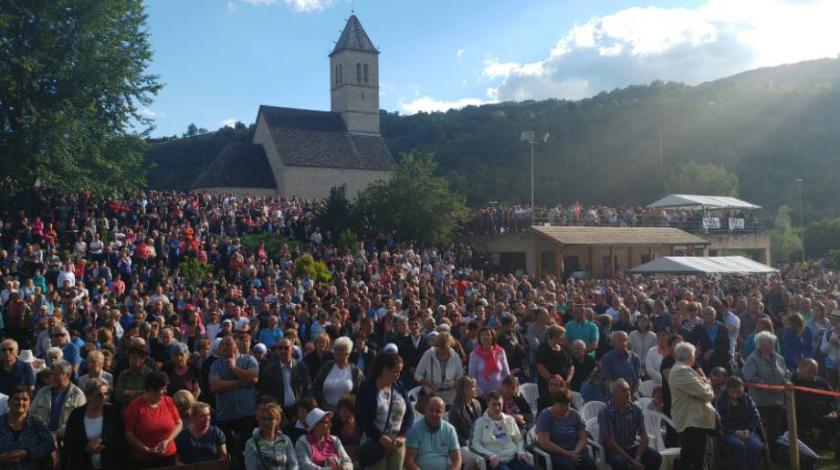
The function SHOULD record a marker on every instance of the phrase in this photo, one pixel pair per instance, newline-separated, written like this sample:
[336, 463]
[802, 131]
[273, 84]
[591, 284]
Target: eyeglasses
[282, 348]
[59, 335]
[7, 349]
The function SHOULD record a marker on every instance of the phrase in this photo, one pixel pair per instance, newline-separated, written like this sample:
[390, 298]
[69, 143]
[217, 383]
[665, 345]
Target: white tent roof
[703, 265]
[693, 201]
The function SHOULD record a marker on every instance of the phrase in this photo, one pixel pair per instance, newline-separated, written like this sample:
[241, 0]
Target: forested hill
[768, 126]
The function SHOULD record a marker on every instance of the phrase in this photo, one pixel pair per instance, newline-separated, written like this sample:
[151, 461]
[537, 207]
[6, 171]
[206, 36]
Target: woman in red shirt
[151, 424]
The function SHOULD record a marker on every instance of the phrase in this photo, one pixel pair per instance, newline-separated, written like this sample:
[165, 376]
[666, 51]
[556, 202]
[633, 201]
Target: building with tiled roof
[305, 153]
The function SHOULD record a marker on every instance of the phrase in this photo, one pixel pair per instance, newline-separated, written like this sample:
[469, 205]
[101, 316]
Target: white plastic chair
[577, 400]
[591, 409]
[646, 388]
[595, 442]
[531, 393]
[653, 426]
[482, 464]
[537, 450]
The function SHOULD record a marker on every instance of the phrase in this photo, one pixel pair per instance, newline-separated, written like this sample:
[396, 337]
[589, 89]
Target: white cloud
[429, 105]
[459, 53]
[149, 113]
[231, 7]
[297, 5]
[638, 45]
[229, 122]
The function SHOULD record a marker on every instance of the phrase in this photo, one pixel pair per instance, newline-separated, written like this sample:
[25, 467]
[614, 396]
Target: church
[305, 153]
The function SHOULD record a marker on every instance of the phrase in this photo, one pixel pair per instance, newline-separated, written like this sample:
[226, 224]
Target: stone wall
[312, 182]
[262, 135]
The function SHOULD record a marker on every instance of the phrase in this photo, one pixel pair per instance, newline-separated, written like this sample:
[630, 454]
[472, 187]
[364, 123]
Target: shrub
[317, 270]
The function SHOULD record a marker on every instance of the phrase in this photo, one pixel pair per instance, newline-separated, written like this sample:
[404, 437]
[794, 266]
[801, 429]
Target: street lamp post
[530, 138]
[801, 219]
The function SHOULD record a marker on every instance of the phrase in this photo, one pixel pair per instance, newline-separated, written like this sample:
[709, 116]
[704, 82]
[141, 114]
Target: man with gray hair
[815, 412]
[691, 406]
[61, 339]
[53, 404]
[622, 432]
[621, 363]
[13, 371]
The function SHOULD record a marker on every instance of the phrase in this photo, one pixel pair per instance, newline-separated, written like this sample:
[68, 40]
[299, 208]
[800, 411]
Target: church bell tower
[354, 79]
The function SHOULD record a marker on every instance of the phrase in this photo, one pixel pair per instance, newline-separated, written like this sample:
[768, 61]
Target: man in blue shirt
[61, 339]
[13, 371]
[621, 363]
[233, 378]
[432, 444]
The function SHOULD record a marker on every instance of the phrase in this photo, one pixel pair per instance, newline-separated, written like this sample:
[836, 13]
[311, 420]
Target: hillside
[769, 126]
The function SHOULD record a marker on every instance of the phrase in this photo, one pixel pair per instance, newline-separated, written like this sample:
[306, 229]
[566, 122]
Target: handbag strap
[390, 405]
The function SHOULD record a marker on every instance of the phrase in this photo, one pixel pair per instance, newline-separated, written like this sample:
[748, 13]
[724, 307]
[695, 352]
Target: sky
[220, 59]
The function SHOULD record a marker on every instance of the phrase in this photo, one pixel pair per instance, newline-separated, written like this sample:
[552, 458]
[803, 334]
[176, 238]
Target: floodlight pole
[533, 209]
[801, 219]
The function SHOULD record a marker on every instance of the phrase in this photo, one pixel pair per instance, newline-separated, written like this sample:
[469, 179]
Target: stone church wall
[313, 182]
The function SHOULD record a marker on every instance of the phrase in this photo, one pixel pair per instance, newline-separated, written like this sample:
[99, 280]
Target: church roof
[354, 38]
[304, 137]
[238, 166]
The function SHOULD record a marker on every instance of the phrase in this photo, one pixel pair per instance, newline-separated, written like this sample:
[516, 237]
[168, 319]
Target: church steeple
[354, 38]
[354, 79]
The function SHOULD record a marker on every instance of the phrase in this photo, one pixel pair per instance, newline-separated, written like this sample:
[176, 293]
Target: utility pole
[801, 219]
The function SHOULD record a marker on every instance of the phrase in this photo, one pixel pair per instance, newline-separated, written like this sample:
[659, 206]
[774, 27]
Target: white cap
[315, 416]
[391, 348]
[260, 348]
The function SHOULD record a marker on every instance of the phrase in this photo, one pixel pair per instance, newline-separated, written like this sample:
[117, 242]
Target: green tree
[336, 214]
[415, 204]
[785, 241]
[702, 178]
[73, 90]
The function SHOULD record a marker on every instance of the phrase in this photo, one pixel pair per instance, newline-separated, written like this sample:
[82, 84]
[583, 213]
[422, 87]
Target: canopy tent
[692, 201]
[703, 265]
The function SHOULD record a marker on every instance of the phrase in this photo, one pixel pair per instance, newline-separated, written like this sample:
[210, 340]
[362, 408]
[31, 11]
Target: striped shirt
[241, 401]
[625, 425]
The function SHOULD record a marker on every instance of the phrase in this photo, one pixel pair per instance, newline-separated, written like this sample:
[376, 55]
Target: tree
[336, 214]
[702, 178]
[73, 87]
[785, 241]
[415, 204]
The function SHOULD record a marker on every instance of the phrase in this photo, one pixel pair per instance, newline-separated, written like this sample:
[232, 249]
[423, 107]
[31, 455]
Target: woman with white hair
[95, 361]
[691, 406]
[337, 378]
[439, 369]
[766, 366]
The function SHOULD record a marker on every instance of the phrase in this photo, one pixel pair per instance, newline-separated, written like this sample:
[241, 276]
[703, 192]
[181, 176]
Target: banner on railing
[711, 223]
[736, 224]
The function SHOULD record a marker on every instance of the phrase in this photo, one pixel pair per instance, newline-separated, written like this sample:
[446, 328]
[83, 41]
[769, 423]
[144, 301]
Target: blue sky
[220, 59]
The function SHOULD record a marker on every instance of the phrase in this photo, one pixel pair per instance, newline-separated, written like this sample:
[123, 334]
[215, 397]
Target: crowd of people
[496, 218]
[407, 357]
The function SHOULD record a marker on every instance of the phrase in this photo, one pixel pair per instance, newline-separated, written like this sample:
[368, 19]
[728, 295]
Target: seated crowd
[406, 357]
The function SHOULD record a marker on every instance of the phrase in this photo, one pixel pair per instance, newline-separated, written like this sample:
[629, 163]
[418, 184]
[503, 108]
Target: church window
[359, 73]
[366, 73]
[336, 74]
[339, 74]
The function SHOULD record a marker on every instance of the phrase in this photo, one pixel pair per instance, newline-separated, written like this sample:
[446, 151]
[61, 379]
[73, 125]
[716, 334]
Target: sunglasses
[59, 335]
[7, 349]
